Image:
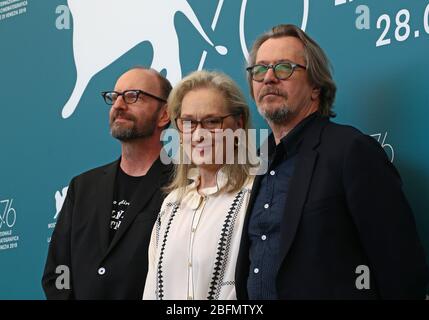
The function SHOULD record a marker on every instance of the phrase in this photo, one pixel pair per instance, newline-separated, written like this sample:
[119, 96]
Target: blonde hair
[235, 102]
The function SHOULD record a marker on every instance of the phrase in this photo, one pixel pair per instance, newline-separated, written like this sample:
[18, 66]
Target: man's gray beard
[128, 134]
[278, 116]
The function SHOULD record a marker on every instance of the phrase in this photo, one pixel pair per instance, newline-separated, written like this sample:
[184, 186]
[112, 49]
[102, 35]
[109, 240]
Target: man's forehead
[138, 79]
[280, 49]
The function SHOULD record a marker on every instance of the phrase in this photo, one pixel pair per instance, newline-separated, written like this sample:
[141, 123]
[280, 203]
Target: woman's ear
[239, 121]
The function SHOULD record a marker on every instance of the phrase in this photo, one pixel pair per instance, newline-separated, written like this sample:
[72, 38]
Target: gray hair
[318, 65]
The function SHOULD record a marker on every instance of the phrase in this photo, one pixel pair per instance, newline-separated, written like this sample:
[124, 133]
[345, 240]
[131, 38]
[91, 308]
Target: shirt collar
[292, 140]
[221, 181]
[193, 199]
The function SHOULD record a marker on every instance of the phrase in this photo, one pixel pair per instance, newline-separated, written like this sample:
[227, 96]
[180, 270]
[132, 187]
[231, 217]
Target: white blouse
[194, 244]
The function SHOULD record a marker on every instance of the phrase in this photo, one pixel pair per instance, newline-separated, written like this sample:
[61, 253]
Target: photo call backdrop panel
[57, 56]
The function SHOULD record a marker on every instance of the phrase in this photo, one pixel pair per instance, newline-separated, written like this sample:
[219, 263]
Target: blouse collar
[221, 181]
[193, 199]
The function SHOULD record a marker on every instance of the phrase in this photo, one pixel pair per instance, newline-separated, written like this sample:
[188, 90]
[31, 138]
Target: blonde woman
[195, 241]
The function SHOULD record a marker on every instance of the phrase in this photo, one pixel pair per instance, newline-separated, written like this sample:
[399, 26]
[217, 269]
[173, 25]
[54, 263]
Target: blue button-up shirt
[268, 212]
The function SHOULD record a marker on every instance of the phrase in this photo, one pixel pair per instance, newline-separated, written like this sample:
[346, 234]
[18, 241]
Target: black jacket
[345, 208]
[99, 269]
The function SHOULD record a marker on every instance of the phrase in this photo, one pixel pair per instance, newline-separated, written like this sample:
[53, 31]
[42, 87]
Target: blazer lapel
[140, 199]
[104, 200]
[299, 185]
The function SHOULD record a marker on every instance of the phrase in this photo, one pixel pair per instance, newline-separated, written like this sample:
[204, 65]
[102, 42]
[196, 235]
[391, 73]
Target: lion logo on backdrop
[121, 25]
[60, 196]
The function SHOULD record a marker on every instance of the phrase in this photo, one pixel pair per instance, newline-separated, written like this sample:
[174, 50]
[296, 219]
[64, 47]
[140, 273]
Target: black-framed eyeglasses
[129, 96]
[282, 70]
[185, 124]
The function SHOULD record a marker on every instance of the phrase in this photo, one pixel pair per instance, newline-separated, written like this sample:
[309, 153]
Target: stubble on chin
[276, 116]
[122, 133]
[276, 112]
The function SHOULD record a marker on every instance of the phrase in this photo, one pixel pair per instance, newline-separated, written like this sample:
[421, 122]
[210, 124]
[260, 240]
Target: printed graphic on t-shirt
[118, 212]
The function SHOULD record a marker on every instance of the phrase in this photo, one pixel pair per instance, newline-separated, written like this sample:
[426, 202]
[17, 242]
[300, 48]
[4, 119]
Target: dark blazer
[99, 269]
[345, 208]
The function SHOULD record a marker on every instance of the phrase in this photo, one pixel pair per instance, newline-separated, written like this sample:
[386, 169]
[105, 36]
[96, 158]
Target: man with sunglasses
[329, 219]
[103, 231]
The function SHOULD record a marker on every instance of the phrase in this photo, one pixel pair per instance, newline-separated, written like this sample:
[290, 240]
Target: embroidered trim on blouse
[160, 281]
[224, 247]
[158, 220]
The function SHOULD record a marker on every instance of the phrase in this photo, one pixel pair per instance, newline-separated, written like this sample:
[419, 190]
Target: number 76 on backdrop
[8, 216]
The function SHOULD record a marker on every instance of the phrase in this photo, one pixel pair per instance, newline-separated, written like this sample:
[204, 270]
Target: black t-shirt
[124, 191]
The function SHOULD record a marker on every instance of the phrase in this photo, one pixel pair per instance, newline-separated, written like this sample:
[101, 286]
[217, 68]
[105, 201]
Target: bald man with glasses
[103, 230]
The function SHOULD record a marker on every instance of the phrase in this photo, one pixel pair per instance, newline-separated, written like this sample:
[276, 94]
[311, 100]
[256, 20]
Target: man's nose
[270, 76]
[119, 103]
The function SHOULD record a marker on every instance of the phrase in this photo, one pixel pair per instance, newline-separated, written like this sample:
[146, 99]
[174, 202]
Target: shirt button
[101, 271]
[272, 172]
[266, 206]
[264, 237]
[256, 270]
